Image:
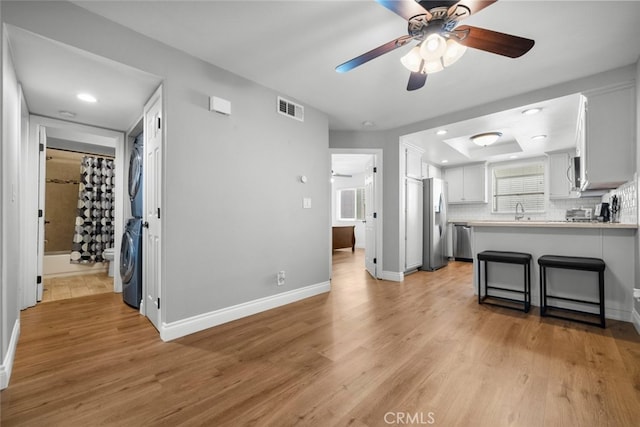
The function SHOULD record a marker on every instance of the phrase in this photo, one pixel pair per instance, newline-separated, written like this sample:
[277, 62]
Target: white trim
[394, 276]
[7, 363]
[180, 328]
[636, 320]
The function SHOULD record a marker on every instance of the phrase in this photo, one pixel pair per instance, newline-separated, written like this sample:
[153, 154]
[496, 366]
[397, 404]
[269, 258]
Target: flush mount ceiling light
[441, 132]
[487, 138]
[67, 114]
[87, 97]
[445, 161]
[538, 137]
[531, 111]
[368, 123]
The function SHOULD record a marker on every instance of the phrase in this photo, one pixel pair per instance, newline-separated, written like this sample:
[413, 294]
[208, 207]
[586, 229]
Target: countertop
[549, 224]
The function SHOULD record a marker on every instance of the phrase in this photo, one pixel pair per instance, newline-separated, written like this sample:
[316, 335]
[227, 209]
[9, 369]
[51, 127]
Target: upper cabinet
[560, 175]
[467, 184]
[607, 145]
[412, 161]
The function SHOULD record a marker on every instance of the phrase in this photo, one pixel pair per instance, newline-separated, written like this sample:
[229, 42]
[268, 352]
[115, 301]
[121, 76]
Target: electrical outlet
[281, 278]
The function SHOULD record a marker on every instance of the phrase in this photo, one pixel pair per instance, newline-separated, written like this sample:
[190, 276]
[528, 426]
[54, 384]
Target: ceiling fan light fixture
[485, 139]
[434, 66]
[433, 47]
[453, 52]
[412, 61]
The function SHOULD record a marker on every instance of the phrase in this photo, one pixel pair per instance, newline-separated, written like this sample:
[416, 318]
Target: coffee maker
[603, 213]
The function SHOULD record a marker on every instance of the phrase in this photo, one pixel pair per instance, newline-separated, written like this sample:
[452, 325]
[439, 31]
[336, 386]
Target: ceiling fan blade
[372, 54]
[407, 8]
[416, 81]
[494, 42]
[475, 6]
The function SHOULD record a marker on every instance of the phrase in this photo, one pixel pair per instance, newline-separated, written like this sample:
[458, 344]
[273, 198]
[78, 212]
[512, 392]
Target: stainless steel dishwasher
[462, 242]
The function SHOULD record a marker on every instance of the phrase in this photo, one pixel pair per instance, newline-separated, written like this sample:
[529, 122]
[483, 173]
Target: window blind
[524, 184]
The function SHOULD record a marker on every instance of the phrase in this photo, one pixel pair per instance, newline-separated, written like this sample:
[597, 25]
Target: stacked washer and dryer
[131, 249]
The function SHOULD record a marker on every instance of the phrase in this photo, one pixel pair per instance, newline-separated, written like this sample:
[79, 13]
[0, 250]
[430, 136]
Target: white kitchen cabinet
[414, 223]
[430, 171]
[413, 161]
[607, 156]
[467, 184]
[559, 174]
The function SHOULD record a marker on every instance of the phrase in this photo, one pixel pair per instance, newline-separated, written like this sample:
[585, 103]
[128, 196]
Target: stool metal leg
[479, 283]
[543, 291]
[601, 291]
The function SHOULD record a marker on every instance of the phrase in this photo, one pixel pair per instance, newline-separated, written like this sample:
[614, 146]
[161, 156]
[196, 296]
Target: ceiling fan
[441, 42]
[340, 175]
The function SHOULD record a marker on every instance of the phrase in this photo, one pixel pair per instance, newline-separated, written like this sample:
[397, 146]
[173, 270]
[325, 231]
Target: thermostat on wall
[220, 105]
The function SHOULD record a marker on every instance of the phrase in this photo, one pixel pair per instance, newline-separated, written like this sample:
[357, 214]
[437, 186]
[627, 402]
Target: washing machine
[131, 262]
[135, 177]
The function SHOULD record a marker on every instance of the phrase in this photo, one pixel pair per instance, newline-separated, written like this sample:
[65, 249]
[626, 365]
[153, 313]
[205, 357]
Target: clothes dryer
[135, 177]
[131, 263]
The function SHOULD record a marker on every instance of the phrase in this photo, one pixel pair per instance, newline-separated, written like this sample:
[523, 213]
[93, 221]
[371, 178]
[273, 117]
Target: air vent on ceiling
[290, 109]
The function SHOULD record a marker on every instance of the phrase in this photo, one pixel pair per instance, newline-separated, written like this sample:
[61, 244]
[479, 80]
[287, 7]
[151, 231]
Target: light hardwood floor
[57, 288]
[369, 353]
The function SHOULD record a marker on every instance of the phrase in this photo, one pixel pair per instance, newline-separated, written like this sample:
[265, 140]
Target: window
[513, 184]
[351, 204]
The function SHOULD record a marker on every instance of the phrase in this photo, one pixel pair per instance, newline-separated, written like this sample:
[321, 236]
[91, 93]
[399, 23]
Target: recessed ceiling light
[368, 123]
[87, 97]
[531, 111]
[538, 137]
[445, 161]
[441, 132]
[513, 157]
[67, 114]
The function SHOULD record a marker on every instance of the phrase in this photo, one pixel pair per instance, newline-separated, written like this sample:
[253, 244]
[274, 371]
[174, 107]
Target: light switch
[306, 203]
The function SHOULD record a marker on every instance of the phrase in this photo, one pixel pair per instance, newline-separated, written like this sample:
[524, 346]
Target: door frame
[62, 129]
[378, 183]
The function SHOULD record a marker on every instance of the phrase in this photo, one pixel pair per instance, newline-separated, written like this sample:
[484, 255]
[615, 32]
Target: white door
[413, 223]
[370, 217]
[152, 174]
[42, 141]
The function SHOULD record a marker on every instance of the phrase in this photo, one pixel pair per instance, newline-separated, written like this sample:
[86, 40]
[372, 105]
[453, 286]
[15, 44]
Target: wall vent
[290, 109]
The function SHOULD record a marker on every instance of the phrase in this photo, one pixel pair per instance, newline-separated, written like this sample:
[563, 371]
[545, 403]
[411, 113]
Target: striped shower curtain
[94, 221]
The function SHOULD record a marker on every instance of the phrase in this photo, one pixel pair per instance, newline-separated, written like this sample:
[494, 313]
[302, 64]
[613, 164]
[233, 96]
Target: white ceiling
[52, 74]
[294, 46]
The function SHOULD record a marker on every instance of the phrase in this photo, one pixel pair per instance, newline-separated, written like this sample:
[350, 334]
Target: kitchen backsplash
[555, 209]
[628, 201]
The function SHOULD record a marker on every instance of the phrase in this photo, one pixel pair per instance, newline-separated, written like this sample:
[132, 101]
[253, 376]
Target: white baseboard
[636, 320]
[394, 276]
[7, 363]
[181, 328]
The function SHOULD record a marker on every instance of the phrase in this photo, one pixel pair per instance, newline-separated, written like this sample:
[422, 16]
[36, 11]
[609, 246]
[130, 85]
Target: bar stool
[521, 258]
[571, 263]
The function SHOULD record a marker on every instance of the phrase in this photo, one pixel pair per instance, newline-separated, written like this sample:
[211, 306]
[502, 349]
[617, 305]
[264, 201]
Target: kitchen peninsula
[612, 242]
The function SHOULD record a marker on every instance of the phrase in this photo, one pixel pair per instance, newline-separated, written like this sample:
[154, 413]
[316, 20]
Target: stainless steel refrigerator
[434, 239]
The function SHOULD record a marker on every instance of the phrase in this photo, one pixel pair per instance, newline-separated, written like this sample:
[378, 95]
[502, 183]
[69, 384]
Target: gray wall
[232, 202]
[2, 281]
[636, 302]
[389, 140]
[11, 192]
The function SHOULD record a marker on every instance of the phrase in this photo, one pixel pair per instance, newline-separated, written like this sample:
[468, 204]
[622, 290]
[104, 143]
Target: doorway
[69, 139]
[356, 203]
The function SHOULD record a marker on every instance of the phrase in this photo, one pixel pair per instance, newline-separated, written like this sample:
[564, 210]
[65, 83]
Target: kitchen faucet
[520, 215]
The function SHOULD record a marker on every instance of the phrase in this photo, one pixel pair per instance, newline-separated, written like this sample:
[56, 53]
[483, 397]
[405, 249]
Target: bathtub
[58, 264]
